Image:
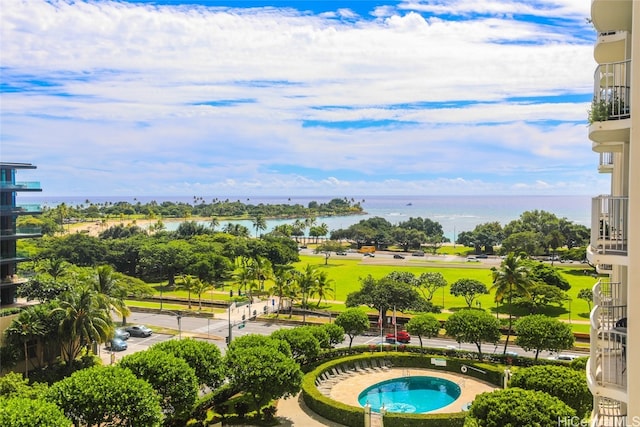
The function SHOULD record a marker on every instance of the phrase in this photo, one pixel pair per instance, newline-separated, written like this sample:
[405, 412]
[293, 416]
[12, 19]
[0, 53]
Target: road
[215, 330]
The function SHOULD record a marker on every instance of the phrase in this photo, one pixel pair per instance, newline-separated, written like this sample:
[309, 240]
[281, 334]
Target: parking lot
[134, 344]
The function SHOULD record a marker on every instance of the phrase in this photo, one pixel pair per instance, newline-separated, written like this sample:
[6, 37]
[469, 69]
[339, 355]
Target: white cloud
[142, 98]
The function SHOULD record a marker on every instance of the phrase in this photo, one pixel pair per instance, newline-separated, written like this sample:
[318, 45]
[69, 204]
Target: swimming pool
[417, 394]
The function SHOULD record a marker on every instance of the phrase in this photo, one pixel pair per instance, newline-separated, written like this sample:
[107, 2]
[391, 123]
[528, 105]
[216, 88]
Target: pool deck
[347, 391]
[293, 411]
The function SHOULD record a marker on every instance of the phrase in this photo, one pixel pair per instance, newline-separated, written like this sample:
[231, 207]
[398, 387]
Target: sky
[335, 98]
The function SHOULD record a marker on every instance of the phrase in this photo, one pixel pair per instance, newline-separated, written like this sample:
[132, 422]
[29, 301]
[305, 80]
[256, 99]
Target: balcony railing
[21, 231]
[21, 209]
[609, 216]
[606, 161]
[612, 92]
[609, 335]
[609, 413]
[34, 185]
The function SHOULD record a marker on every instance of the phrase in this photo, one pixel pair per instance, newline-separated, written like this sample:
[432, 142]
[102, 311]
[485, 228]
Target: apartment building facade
[614, 248]
[10, 233]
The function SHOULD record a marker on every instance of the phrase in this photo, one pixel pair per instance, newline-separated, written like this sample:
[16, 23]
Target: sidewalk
[293, 412]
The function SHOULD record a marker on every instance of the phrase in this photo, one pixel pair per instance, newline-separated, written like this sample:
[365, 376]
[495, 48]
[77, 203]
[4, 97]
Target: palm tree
[84, 320]
[322, 287]
[213, 223]
[282, 282]
[261, 270]
[511, 278]
[259, 223]
[243, 275]
[200, 287]
[29, 325]
[55, 267]
[187, 283]
[307, 281]
[111, 290]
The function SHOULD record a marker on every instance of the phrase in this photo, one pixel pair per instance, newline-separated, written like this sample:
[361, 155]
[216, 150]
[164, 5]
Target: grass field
[346, 274]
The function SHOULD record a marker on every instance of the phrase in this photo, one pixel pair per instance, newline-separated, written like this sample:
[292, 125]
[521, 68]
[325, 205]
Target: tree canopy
[473, 326]
[539, 332]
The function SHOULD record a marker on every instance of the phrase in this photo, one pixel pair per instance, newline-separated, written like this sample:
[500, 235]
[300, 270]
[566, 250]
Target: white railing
[606, 159]
[609, 224]
[612, 91]
[608, 412]
[609, 335]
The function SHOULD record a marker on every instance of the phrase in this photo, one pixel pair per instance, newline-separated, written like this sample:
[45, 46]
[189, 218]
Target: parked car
[418, 253]
[341, 253]
[397, 256]
[482, 256]
[117, 344]
[139, 331]
[122, 334]
[402, 337]
[369, 254]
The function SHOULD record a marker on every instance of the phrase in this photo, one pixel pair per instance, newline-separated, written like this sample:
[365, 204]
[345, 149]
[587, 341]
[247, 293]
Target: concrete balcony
[611, 15]
[607, 366]
[610, 112]
[612, 46]
[608, 413]
[609, 227]
[605, 165]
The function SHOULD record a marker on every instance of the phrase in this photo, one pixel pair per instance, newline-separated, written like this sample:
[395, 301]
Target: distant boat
[409, 204]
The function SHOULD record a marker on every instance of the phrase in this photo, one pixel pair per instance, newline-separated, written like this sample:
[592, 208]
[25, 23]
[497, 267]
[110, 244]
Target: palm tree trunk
[506, 343]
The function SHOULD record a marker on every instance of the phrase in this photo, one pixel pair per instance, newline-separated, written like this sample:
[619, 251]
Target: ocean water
[454, 213]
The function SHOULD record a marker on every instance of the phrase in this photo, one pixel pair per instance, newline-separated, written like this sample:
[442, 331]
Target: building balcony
[607, 364]
[609, 228]
[611, 106]
[608, 413]
[20, 233]
[20, 186]
[612, 46]
[28, 209]
[611, 15]
[605, 165]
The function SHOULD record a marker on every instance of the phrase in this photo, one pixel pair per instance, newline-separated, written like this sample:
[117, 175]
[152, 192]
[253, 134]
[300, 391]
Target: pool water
[417, 394]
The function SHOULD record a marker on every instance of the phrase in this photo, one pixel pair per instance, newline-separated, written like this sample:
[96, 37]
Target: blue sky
[331, 98]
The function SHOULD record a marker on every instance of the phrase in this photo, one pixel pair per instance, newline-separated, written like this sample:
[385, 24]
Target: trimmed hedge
[354, 416]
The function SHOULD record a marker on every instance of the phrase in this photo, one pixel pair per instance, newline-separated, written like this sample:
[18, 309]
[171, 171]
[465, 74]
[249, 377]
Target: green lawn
[346, 274]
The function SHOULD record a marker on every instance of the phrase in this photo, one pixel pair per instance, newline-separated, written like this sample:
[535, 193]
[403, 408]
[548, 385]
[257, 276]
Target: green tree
[568, 385]
[170, 376]
[515, 407]
[473, 326]
[385, 294]
[205, 359]
[429, 283]
[587, 295]
[304, 345]
[322, 287]
[469, 289]
[327, 248]
[511, 278]
[83, 320]
[353, 321]
[25, 412]
[187, 283]
[107, 396]
[424, 325]
[28, 326]
[259, 223]
[541, 295]
[335, 332]
[539, 332]
[263, 373]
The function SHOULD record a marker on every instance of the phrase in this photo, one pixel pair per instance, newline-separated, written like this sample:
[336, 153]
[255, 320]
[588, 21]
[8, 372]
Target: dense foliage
[515, 407]
[107, 395]
[473, 326]
[568, 385]
[170, 376]
[25, 412]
